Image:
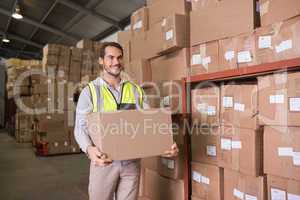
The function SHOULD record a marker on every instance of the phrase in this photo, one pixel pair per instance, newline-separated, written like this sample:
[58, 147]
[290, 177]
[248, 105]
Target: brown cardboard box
[138, 43]
[195, 198]
[279, 99]
[124, 36]
[197, 5]
[76, 54]
[50, 60]
[239, 186]
[281, 151]
[241, 150]
[280, 188]
[138, 130]
[139, 21]
[227, 54]
[171, 96]
[127, 53]
[207, 181]
[75, 70]
[161, 9]
[206, 106]
[150, 163]
[272, 11]
[53, 126]
[139, 71]
[85, 44]
[264, 43]
[152, 96]
[51, 49]
[160, 188]
[205, 145]
[287, 41]
[22, 90]
[246, 55]
[226, 18]
[278, 41]
[174, 33]
[205, 58]
[173, 66]
[239, 105]
[172, 167]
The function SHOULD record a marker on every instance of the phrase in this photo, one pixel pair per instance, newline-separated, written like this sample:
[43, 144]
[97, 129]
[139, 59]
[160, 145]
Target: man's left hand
[171, 153]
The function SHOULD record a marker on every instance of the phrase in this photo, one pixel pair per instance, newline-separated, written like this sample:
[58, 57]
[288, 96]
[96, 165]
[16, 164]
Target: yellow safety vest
[128, 98]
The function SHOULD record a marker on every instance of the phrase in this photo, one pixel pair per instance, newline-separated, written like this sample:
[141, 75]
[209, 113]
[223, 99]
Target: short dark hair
[109, 44]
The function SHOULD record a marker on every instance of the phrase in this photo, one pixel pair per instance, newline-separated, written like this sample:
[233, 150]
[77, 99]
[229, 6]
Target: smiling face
[112, 61]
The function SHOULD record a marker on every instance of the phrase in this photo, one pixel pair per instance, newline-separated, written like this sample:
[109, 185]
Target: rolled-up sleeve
[84, 107]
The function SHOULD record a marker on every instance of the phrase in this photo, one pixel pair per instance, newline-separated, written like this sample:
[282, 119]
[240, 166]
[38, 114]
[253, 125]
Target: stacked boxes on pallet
[48, 117]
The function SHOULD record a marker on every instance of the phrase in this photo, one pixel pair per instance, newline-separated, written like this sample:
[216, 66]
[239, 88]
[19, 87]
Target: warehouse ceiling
[60, 21]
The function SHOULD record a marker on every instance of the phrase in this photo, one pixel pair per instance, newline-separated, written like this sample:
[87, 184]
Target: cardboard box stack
[156, 51]
[226, 142]
[279, 103]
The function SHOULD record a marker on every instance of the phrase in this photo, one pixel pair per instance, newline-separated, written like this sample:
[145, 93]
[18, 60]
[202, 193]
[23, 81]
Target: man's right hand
[98, 158]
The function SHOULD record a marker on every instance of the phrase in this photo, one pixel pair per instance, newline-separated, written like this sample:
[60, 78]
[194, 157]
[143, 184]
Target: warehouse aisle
[23, 176]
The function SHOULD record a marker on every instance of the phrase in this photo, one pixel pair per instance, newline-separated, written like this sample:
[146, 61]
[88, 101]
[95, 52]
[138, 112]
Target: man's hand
[98, 158]
[171, 153]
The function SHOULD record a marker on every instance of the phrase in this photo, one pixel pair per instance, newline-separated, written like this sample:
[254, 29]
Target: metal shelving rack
[244, 72]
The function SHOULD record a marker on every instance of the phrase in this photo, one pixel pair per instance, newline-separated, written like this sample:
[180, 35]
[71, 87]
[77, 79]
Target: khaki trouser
[119, 181]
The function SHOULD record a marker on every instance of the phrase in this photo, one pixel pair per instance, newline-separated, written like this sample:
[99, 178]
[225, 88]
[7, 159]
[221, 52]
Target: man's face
[112, 61]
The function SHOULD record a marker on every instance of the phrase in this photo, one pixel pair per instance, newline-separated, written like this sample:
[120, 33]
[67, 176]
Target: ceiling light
[17, 12]
[5, 39]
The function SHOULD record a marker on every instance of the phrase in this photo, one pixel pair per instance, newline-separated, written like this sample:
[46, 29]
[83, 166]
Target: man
[110, 179]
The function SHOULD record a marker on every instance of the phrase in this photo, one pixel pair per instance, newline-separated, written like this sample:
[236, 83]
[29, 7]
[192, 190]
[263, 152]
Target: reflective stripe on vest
[128, 96]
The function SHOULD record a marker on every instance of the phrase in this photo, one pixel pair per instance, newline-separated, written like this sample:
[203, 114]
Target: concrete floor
[24, 176]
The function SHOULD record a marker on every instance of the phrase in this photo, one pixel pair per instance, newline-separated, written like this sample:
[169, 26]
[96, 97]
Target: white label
[229, 55]
[296, 158]
[295, 104]
[169, 34]
[138, 25]
[196, 176]
[171, 164]
[244, 57]
[225, 144]
[56, 144]
[206, 60]
[164, 22]
[211, 150]
[283, 46]
[277, 194]
[196, 59]
[48, 117]
[285, 151]
[201, 107]
[238, 194]
[66, 143]
[227, 102]
[48, 99]
[211, 110]
[205, 180]
[239, 107]
[264, 42]
[250, 197]
[71, 99]
[276, 99]
[293, 197]
[73, 149]
[236, 144]
[167, 101]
